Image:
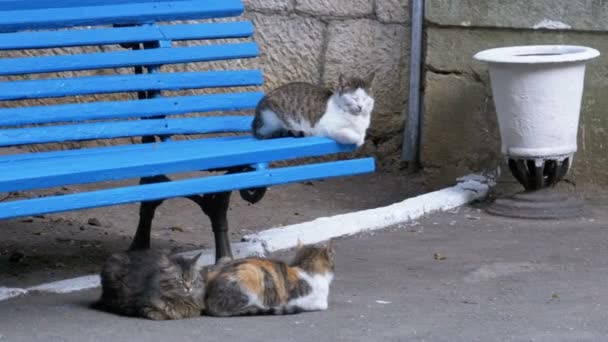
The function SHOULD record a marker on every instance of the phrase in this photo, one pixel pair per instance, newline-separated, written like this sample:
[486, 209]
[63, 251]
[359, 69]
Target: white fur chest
[342, 126]
[335, 118]
[317, 299]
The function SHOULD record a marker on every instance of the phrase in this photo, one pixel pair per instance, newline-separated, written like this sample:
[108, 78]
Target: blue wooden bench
[139, 35]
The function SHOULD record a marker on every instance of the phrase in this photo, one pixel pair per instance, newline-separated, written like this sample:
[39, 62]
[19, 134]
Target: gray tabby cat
[304, 109]
[152, 285]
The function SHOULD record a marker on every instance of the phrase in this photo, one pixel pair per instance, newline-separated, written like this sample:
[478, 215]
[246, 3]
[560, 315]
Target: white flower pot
[537, 92]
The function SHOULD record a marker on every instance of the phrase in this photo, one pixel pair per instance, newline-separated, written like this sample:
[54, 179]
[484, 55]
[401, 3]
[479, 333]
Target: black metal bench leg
[216, 207]
[141, 240]
[218, 214]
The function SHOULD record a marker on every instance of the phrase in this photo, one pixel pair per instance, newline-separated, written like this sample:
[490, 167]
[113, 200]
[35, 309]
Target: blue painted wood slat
[268, 177]
[117, 59]
[14, 5]
[118, 13]
[19, 90]
[130, 148]
[158, 159]
[122, 129]
[117, 35]
[129, 109]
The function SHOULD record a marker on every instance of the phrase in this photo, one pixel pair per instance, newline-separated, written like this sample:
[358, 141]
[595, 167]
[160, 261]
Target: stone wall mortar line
[323, 53]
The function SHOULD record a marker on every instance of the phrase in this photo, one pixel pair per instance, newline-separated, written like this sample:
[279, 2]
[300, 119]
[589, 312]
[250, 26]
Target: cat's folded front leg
[296, 134]
[361, 140]
[153, 313]
[347, 136]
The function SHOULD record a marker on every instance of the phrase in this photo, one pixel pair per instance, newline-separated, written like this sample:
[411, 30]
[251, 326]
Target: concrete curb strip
[10, 292]
[68, 285]
[468, 189]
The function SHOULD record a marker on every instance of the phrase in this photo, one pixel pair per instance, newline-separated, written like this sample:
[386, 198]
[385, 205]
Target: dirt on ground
[45, 248]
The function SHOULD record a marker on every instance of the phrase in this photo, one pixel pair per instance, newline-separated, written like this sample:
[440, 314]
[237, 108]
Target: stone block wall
[316, 40]
[460, 132]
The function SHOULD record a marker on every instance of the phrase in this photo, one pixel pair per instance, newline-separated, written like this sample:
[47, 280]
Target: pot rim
[532, 54]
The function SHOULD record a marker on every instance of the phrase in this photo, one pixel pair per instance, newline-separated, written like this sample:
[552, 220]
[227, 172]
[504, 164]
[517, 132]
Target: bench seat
[58, 168]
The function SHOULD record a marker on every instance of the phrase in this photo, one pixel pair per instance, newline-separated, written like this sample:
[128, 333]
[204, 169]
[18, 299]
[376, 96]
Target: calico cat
[150, 284]
[264, 286]
[304, 109]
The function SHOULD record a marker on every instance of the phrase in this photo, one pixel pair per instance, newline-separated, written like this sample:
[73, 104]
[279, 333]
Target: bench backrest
[39, 32]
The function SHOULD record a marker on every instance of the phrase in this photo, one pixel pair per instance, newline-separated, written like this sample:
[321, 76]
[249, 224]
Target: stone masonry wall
[316, 40]
[460, 132]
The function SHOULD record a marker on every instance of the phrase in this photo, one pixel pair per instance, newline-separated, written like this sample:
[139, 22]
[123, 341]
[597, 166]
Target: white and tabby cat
[304, 109]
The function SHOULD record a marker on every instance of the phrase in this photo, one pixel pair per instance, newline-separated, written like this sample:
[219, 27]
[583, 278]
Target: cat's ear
[341, 81]
[300, 244]
[369, 80]
[194, 260]
[331, 249]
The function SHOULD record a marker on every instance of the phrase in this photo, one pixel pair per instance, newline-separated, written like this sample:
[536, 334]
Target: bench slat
[117, 59]
[11, 158]
[116, 13]
[129, 109]
[159, 158]
[19, 90]
[122, 129]
[186, 187]
[13, 5]
[117, 35]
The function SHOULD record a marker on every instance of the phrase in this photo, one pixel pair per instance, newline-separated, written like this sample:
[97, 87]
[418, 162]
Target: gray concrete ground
[501, 280]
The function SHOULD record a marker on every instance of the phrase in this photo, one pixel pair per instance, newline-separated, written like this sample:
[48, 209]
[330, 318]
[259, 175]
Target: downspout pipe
[411, 135]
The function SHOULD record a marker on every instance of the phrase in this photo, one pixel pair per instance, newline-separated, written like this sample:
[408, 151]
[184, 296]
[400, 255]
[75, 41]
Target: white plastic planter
[537, 92]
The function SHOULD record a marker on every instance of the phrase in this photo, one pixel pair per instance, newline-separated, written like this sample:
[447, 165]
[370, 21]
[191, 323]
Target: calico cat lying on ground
[150, 284]
[304, 109]
[264, 286]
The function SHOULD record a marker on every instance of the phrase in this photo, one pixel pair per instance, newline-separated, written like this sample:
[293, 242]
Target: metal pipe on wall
[411, 134]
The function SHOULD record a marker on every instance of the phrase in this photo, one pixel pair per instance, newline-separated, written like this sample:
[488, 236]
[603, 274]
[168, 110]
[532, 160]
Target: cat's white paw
[361, 142]
[323, 306]
[346, 136]
[223, 260]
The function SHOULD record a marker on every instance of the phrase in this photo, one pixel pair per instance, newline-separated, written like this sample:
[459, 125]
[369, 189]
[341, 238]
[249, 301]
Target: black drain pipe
[411, 135]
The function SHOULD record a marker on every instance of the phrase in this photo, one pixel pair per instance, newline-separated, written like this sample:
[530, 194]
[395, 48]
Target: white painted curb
[468, 189]
[10, 292]
[239, 250]
[68, 285]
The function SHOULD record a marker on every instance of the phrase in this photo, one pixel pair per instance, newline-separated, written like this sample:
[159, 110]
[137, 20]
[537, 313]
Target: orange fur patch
[251, 278]
[292, 275]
